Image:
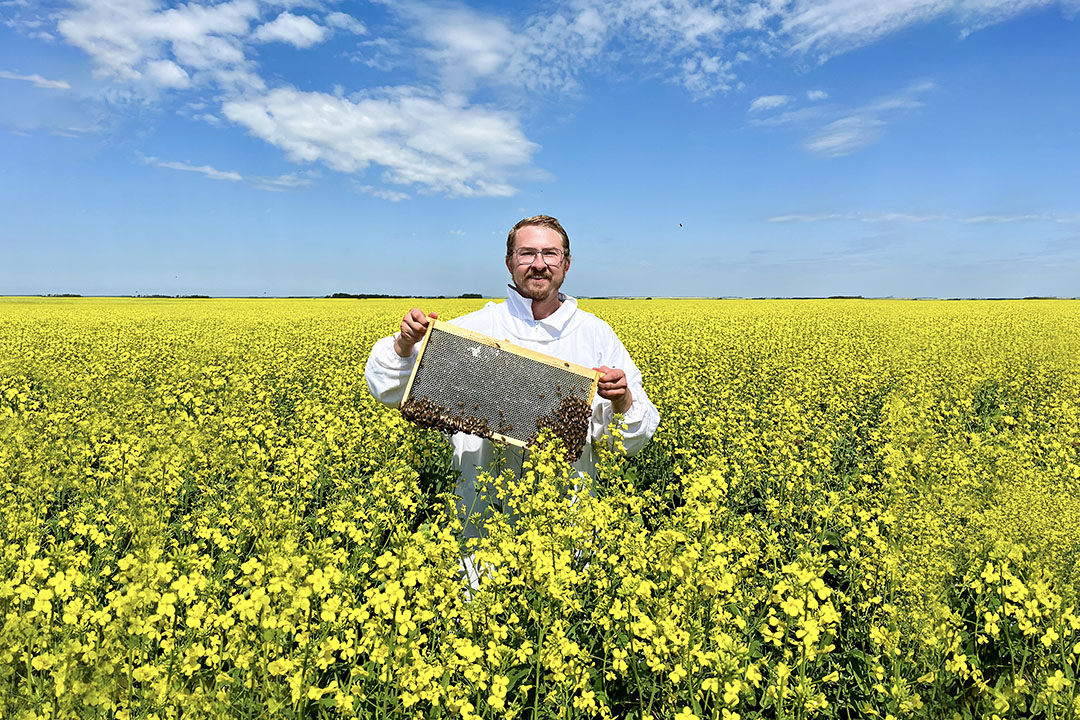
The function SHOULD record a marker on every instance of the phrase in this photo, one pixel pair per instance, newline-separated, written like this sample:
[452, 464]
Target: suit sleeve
[387, 373]
[642, 418]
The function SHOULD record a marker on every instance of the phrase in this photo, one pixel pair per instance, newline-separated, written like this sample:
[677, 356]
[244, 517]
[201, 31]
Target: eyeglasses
[551, 256]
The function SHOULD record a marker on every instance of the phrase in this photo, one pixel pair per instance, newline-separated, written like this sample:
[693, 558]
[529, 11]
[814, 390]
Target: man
[538, 317]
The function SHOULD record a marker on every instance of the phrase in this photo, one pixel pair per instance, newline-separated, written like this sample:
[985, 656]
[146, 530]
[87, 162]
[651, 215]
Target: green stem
[539, 657]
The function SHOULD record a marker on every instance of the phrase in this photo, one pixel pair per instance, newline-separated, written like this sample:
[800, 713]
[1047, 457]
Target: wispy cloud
[282, 183]
[845, 136]
[381, 193]
[696, 43]
[37, 80]
[863, 125]
[829, 27]
[886, 217]
[768, 102]
[210, 172]
[466, 47]
[705, 75]
[815, 95]
[860, 217]
[835, 131]
[74, 131]
[1019, 217]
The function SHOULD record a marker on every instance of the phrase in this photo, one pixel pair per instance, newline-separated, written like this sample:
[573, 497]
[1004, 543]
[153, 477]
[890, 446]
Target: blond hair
[542, 221]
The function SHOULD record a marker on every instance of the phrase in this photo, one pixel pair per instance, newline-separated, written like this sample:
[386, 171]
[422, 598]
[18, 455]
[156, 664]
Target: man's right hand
[413, 327]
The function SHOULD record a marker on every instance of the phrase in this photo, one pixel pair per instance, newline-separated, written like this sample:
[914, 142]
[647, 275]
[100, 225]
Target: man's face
[537, 280]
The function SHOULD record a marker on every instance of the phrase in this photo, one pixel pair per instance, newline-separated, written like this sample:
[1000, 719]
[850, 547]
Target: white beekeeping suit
[569, 334]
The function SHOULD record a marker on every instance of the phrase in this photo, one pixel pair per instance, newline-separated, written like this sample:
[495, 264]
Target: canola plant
[850, 509]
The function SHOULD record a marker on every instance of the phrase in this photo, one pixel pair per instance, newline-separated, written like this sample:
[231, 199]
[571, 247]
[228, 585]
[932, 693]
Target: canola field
[850, 509]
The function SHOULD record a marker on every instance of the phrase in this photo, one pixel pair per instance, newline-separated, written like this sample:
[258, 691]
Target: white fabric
[569, 334]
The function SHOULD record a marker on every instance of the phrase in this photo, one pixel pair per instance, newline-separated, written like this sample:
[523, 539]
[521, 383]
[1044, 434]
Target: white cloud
[845, 136]
[286, 182]
[858, 217]
[705, 75]
[545, 52]
[829, 27]
[978, 14]
[672, 23]
[808, 217]
[457, 232]
[128, 39]
[1017, 217]
[210, 172]
[37, 80]
[344, 21]
[462, 37]
[924, 217]
[862, 126]
[463, 44]
[438, 144]
[836, 131]
[298, 30]
[381, 193]
[167, 74]
[73, 131]
[769, 102]
[695, 43]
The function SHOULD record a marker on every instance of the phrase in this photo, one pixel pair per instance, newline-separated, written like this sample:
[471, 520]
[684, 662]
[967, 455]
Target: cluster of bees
[426, 413]
[570, 423]
[505, 428]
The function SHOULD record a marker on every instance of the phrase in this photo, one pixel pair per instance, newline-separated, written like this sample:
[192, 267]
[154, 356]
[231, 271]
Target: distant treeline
[378, 296]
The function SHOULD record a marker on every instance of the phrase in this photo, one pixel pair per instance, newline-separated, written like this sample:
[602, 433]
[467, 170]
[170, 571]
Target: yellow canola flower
[203, 507]
[1058, 682]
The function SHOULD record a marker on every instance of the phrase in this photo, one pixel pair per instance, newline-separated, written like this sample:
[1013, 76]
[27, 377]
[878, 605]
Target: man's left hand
[612, 386]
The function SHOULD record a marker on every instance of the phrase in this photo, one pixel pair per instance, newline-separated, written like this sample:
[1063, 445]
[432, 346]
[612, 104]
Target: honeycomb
[467, 382]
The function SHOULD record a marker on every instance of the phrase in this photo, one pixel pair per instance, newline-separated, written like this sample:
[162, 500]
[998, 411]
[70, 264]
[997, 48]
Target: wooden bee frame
[464, 381]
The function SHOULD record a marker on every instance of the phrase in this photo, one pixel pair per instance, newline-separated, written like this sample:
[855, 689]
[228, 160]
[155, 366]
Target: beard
[543, 291]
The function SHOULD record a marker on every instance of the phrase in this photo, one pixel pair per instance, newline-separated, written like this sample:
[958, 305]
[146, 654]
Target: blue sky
[906, 148]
